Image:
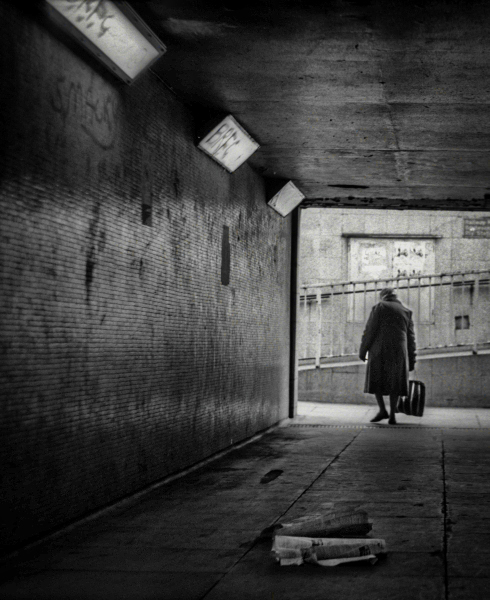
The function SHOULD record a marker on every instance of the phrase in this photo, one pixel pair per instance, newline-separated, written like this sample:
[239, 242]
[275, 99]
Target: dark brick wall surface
[123, 356]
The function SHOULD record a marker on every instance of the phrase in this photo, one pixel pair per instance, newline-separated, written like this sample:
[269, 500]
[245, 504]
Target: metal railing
[449, 309]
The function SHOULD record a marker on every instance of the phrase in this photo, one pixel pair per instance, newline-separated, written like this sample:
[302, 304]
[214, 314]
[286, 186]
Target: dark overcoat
[389, 339]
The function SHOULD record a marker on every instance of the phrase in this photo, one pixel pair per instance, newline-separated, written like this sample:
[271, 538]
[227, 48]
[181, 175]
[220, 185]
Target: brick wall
[123, 356]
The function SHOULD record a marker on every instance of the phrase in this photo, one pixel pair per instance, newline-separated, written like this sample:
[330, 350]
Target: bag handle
[413, 374]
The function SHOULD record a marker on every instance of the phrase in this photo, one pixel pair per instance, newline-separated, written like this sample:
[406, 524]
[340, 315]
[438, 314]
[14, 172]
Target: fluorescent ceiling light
[112, 31]
[286, 199]
[228, 144]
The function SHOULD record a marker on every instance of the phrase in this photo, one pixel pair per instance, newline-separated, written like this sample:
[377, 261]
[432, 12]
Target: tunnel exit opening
[439, 264]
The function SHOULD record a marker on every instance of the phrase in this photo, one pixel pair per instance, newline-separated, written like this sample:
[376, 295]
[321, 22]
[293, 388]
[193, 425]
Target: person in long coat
[389, 342]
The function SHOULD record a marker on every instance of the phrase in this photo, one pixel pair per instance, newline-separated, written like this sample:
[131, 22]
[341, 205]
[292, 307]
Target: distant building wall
[324, 252]
[330, 252]
[145, 291]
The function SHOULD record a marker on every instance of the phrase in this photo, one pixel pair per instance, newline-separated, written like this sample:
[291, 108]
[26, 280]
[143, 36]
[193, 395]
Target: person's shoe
[379, 417]
[392, 420]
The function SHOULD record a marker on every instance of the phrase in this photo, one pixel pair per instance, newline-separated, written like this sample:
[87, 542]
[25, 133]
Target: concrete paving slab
[374, 509]
[234, 518]
[351, 468]
[139, 559]
[304, 583]
[382, 486]
[473, 469]
[360, 497]
[97, 585]
[473, 449]
[470, 477]
[403, 454]
[470, 543]
[172, 536]
[462, 499]
[468, 565]
[223, 506]
[403, 435]
[468, 486]
[464, 437]
[454, 438]
[446, 418]
[466, 526]
[464, 458]
[388, 484]
[474, 512]
[464, 588]
[409, 534]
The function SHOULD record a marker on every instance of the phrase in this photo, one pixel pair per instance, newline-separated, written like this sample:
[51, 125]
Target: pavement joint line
[256, 541]
[398, 426]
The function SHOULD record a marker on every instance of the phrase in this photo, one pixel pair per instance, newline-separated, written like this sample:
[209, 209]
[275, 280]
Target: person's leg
[393, 403]
[382, 414]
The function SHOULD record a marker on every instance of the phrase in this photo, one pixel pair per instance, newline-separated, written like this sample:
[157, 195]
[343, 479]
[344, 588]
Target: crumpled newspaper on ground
[326, 539]
[337, 523]
[326, 552]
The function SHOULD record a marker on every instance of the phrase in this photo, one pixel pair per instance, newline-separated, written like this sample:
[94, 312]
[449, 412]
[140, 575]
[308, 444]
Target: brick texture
[123, 357]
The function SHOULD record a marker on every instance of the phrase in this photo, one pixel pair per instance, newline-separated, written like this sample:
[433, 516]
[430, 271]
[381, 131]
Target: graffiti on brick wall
[95, 112]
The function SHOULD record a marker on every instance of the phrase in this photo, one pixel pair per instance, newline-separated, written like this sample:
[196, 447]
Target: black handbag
[414, 403]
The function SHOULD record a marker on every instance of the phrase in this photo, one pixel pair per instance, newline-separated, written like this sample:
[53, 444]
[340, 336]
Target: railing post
[452, 325]
[429, 311]
[354, 302]
[476, 311]
[419, 309]
[305, 321]
[364, 305]
[319, 323]
[440, 312]
[344, 311]
[332, 317]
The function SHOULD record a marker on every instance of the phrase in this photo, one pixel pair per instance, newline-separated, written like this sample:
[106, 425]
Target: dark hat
[388, 291]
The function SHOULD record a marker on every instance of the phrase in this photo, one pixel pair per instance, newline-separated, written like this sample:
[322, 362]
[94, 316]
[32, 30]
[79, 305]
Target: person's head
[386, 293]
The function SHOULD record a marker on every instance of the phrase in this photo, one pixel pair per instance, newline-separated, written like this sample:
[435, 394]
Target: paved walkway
[357, 414]
[424, 483]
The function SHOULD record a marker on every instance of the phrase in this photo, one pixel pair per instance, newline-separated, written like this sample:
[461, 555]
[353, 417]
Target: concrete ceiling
[371, 103]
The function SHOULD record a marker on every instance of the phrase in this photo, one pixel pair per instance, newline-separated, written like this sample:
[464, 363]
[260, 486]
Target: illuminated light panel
[286, 199]
[112, 32]
[228, 144]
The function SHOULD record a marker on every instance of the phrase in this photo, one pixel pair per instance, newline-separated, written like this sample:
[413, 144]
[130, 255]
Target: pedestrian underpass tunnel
[150, 295]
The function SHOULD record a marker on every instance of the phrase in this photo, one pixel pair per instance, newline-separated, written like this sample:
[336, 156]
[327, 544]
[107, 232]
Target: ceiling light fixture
[228, 144]
[286, 199]
[112, 32]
